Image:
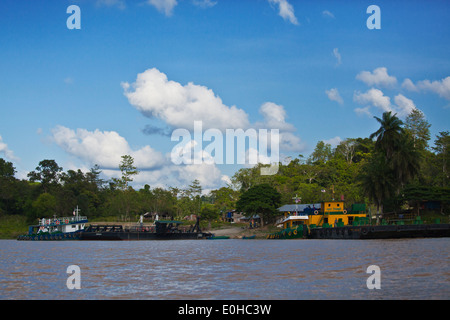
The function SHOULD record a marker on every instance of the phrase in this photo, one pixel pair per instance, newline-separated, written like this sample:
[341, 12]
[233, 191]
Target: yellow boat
[299, 218]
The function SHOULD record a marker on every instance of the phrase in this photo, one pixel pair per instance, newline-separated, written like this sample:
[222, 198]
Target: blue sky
[311, 69]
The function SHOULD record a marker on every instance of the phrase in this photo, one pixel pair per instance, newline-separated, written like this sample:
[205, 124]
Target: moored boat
[329, 220]
[162, 230]
[62, 228]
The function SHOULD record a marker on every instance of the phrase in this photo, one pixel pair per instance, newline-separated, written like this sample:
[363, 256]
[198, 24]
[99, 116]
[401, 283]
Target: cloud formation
[441, 87]
[333, 95]
[179, 106]
[104, 148]
[376, 98]
[275, 118]
[8, 153]
[285, 10]
[379, 77]
[163, 6]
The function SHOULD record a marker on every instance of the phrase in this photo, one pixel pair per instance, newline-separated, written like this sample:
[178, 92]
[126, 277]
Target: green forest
[393, 169]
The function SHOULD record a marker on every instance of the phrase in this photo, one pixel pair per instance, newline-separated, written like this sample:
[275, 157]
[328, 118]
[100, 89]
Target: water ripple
[227, 269]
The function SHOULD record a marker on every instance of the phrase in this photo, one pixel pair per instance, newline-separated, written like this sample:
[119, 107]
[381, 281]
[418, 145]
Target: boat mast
[76, 213]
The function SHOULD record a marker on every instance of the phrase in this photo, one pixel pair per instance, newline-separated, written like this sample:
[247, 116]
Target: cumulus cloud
[404, 106]
[104, 148]
[275, 118]
[376, 98]
[441, 87]
[409, 85]
[286, 10]
[379, 77]
[333, 95]
[333, 141]
[163, 6]
[8, 153]
[179, 106]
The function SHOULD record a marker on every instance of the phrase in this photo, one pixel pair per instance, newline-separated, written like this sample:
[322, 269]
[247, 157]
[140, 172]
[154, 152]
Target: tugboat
[162, 230]
[329, 220]
[63, 228]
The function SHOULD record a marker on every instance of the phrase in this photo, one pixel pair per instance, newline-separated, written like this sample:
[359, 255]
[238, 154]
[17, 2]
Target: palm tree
[405, 161]
[377, 181]
[394, 162]
[389, 135]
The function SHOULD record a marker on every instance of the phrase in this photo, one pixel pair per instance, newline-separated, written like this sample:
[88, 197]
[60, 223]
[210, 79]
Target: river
[226, 269]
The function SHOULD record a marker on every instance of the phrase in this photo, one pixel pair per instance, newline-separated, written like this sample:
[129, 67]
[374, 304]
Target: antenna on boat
[297, 200]
[76, 212]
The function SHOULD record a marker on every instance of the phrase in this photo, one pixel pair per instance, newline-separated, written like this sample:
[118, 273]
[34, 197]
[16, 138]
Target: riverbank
[12, 226]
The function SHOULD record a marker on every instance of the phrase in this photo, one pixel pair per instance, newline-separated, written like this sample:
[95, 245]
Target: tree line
[393, 168]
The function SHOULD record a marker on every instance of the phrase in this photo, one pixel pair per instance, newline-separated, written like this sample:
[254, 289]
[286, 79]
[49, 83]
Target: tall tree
[389, 134]
[394, 163]
[128, 170]
[262, 200]
[442, 149]
[419, 128]
[377, 181]
[347, 149]
[322, 153]
[48, 173]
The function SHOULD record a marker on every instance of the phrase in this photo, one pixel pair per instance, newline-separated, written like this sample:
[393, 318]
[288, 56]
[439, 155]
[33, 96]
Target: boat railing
[61, 220]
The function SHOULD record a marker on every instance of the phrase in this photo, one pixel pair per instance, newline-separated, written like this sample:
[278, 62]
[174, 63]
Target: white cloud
[333, 141]
[8, 153]
[409, 85]
[337, 55]
[170, 174]
[376, 98]
[404, 105]
[179, 106]
[157, 170]
[104, 148]
[363, 111]
[164, 6]
[327, 13]
[441, 87]
[379, 77]
[275, 118]
[333, 95]
[286, 11]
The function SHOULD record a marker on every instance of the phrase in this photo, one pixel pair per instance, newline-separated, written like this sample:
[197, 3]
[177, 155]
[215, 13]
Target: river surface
[226, 269]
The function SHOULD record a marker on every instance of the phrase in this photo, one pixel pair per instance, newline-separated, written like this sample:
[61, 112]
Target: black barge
[382, 232]
[162, 230]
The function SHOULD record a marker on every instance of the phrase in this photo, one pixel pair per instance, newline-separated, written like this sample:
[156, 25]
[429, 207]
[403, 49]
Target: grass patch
[12, 226]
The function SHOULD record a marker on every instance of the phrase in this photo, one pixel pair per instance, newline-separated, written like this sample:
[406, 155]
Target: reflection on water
[226, 269]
